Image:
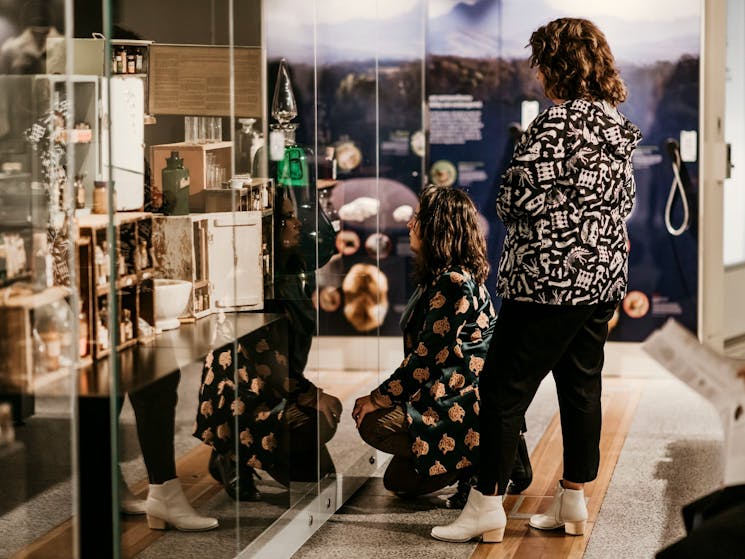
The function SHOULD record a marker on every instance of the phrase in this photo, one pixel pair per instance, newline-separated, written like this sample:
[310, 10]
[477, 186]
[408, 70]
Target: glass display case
[201, 358]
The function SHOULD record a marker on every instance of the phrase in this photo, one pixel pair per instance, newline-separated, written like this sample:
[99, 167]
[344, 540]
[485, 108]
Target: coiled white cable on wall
[676, 186]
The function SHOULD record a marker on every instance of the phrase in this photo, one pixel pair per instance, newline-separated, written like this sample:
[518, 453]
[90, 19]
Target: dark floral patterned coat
[244, 391]
[445, 345]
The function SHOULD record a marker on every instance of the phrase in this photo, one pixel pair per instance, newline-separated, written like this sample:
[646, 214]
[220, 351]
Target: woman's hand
[363, 406]
[330, 406]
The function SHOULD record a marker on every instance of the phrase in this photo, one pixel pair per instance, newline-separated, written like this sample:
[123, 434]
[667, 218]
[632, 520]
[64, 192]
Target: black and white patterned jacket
[564, 199]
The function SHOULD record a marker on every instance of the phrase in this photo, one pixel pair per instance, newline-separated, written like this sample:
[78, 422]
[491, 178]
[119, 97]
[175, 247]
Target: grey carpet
[375, 523]
[672, 455]
[240, 523]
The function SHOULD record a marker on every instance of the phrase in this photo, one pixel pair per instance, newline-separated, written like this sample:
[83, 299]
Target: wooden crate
[134, 290]
[17, 316]
[195, 160]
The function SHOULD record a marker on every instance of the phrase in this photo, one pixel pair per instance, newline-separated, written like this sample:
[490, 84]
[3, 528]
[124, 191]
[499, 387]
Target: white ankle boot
[128, 503]
[482, 516]
[167, 505]
[568, 509]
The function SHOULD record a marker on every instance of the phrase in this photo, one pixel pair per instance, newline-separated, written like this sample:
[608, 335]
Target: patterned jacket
[564, 199]
[445, 344]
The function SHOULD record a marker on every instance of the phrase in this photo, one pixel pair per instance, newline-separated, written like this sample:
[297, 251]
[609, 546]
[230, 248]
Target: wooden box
[195, 160]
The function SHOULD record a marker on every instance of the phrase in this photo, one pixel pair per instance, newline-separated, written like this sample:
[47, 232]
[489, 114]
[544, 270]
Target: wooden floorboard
[620, 399]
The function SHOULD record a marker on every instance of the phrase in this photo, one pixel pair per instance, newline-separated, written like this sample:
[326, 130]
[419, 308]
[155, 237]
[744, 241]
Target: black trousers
[302, 454]
[155, 415]
[529, 341]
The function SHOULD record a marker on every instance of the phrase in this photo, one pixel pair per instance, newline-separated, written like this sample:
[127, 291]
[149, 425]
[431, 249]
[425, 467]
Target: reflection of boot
[522, 471]
[167, 505]
[238, 487]
[128, 503]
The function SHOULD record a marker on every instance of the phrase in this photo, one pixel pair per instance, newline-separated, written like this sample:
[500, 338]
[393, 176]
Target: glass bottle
[121, 265]
[243, 155]
[79, 192]
[53, 327]
[175, 180]
[100, 197]
[102, 334]
[122, 65]
[266, 259]
[139, 61]
[294, 183]
[100, 263]
[142, 258]
[127, 330]
[82, 334]
[284, 106]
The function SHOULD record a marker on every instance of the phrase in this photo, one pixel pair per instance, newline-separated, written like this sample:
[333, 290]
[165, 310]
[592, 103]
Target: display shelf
[21, 338]
[76, 97]
[215, 252]
[133, 283]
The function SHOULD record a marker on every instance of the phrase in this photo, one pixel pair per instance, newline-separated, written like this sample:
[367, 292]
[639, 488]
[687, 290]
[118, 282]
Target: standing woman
[426, 412]
[564, 200]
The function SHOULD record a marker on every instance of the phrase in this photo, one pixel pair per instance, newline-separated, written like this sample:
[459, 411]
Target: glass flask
[244, 155]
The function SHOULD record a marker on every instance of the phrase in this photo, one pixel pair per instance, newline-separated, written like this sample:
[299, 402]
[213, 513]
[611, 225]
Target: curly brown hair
[576, 62]
[450, 234]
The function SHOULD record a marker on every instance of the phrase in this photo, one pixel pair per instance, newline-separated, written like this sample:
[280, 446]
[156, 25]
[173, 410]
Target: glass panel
[215, 355]
[734, 187]
[140, 184]
[41, 151]
[356, 73]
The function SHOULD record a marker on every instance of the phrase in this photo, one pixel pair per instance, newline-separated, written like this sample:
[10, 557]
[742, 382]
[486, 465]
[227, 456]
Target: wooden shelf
[133, 290]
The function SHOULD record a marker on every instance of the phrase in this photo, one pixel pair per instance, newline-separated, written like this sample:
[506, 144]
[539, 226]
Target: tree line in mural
[365, 102]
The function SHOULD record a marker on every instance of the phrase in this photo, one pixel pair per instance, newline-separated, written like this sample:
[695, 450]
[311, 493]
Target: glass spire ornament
[284, 107]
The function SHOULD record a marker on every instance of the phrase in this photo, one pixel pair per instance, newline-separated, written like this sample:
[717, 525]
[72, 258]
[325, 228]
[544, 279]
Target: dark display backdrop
[663, 84]
[361, 95]
[477, 77]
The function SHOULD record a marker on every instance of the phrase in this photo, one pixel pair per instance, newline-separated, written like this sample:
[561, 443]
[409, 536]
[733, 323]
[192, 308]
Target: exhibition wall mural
[362, 74]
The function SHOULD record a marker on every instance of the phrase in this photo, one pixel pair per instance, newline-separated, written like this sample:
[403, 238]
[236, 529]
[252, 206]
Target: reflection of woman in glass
[284, 421]
[426, 412]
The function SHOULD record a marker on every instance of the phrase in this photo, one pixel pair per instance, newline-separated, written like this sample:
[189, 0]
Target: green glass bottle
[175, 179]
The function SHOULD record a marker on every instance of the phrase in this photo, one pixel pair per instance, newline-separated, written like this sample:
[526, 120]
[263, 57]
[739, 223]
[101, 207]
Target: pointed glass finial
[284, 108]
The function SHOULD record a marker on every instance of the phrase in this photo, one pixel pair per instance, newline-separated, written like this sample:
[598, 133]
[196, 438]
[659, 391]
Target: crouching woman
[426, 412]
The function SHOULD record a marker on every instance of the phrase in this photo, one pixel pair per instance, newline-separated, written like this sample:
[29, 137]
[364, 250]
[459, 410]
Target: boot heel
[156, 523]
[575, 528]
[493, 536]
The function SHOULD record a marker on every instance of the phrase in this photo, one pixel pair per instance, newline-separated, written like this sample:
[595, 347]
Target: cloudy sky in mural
[395, 29]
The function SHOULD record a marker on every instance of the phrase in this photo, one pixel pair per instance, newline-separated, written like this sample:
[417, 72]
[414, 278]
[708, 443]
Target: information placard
[195, 80]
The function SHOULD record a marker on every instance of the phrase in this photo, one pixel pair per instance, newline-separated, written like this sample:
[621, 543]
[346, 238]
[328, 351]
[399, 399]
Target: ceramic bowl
[171, 298]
